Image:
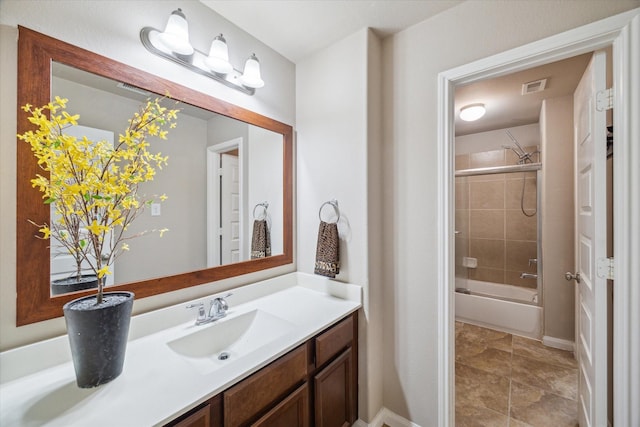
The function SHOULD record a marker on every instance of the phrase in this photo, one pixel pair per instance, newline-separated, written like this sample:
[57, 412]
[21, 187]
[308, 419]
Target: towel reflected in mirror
[260, 239]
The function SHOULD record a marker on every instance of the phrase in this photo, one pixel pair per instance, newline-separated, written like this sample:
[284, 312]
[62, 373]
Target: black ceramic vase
[98, 336]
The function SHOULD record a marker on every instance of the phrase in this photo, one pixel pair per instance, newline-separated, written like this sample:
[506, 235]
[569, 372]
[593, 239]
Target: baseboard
[385, 416]
[559, 343]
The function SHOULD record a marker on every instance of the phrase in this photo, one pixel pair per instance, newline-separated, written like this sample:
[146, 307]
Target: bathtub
[502, 307]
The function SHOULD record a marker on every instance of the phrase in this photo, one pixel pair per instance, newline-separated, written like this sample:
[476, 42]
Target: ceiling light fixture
[173, 44]
[472, 112]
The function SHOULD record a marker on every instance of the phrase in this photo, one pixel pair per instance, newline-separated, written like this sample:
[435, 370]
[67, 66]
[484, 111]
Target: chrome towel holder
[336, 209]
[265, 206]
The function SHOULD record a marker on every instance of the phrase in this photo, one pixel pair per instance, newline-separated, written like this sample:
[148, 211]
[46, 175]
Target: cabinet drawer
[248, 398]
[293, 411]
[334, 340]
[198, 418]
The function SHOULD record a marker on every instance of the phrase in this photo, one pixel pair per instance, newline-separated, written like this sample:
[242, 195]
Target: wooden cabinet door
[293, 411]
[334, 393]
[199, 418]
[252, 396]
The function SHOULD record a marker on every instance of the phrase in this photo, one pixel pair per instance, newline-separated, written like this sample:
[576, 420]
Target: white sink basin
[212, 346]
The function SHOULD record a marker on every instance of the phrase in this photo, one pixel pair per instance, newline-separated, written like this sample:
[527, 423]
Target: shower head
[523, 156]
[515, 141]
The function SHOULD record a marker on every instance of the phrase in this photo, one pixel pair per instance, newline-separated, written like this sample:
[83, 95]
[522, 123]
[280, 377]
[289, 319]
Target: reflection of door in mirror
[229, 208]
[225, 202]
[63, 264]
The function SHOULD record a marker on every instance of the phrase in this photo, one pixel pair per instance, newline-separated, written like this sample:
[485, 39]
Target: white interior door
[229, 209]
[62, 263]
[591, 244]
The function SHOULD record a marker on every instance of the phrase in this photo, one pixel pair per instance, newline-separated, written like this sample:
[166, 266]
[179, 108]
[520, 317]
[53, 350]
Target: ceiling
[299, 28]
[506, 105]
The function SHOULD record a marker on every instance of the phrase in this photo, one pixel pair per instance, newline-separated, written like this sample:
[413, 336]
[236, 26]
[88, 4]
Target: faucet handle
[223, 301]
[201, 313]
[219, 306]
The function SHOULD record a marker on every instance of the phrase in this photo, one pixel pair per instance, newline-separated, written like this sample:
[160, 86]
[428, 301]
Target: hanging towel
[260, 239]
[327, 250]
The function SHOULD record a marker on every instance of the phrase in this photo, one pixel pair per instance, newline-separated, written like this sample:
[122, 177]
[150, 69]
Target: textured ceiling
[298, 28]
[502, 96]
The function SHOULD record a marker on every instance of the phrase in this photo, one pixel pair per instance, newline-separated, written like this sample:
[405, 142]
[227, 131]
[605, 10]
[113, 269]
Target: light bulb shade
[251, 75]
[176, 34]
[218, 59]
[472, 112]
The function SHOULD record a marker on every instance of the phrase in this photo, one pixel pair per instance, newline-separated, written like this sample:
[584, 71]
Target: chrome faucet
[528, 276]
[219, 307]
[217, 310]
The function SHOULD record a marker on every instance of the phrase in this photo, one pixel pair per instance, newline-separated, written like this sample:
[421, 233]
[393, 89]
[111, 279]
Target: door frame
[213, 195]
[623, 32]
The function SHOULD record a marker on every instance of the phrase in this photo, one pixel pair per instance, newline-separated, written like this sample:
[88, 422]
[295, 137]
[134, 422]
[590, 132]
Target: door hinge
[604, 99]
[605, 268]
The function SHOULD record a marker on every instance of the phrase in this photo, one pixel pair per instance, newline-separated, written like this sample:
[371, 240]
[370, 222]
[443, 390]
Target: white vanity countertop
[157, 384]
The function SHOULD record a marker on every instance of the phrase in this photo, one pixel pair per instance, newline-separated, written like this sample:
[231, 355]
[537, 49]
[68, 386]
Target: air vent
[134, 89]
[533, 87]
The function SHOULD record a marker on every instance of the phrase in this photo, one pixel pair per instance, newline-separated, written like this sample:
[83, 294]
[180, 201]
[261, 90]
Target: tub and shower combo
[497, 239]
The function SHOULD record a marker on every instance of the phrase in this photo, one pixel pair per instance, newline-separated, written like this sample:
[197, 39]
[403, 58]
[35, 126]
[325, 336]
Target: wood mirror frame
[36, 52]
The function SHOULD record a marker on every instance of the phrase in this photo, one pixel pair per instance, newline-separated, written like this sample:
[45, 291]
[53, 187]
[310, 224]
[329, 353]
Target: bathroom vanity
[316, 381]
[285, 354]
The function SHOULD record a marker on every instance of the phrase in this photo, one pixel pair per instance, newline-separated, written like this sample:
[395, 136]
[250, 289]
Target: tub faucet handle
[533, 261]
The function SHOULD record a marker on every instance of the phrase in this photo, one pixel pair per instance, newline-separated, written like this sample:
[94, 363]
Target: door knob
[570, 276]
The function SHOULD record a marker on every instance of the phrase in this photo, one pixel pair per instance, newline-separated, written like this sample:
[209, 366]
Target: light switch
[155, 209]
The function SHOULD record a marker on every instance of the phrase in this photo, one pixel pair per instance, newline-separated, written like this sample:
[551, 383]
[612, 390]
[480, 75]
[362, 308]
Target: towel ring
[333, 203]
[264, 206]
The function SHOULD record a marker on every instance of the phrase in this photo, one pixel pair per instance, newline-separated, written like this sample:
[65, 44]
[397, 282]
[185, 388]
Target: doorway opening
[514, 203]
[613, 31]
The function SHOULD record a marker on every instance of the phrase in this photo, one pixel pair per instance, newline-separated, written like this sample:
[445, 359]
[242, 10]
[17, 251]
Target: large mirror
[228, 167]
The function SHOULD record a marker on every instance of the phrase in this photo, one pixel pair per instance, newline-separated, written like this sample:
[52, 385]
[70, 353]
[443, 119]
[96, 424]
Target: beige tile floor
[506, 380]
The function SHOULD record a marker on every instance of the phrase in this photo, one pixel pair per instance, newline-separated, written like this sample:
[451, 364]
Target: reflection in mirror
[191, 253]
[219, 169]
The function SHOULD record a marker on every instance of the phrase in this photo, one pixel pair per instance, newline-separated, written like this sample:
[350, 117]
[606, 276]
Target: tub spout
[528, 276]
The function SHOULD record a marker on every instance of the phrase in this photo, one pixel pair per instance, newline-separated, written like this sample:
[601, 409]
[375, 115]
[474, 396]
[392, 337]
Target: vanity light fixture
[251, 76]
[175, 37]
[218, 59]
[173, 44]
[472, 112]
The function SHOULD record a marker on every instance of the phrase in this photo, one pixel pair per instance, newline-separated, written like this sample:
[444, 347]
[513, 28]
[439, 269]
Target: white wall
[337, 134]
[111, 28]
[557, 210]
[527, 136]
[412, 60]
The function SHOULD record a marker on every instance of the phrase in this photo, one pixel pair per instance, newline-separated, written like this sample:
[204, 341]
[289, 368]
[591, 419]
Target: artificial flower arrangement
[93, 185]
